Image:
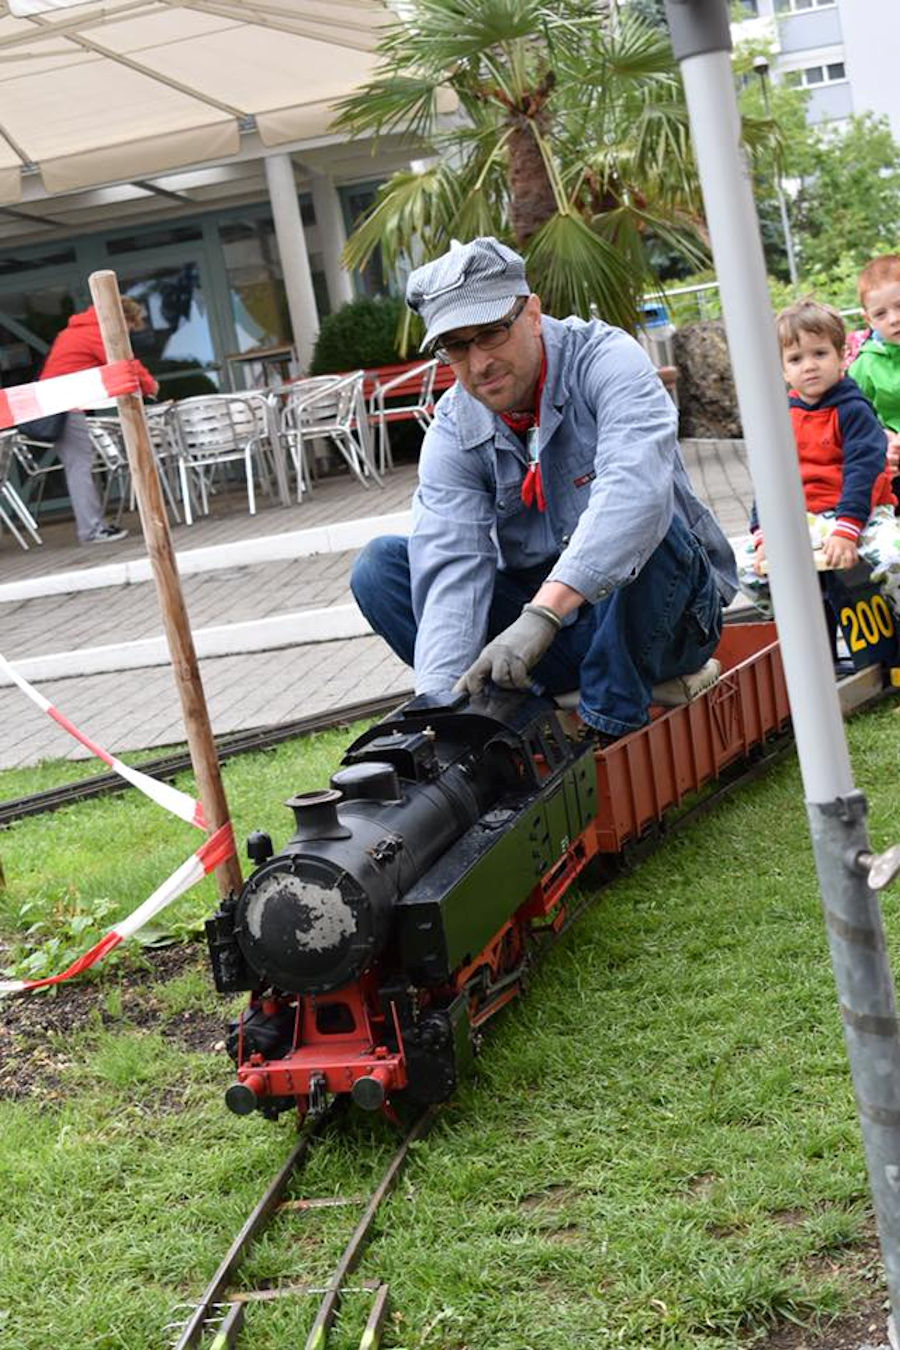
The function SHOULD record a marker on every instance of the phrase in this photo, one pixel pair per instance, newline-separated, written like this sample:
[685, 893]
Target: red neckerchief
[527, 425]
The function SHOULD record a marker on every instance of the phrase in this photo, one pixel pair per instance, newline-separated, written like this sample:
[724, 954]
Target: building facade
[199, 249]
[839, 50]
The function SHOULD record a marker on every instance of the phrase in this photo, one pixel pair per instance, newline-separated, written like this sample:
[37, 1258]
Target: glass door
[177, 345]
[29, 321]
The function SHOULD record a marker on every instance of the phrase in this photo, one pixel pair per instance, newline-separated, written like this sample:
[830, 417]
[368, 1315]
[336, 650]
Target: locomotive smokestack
[316, 815]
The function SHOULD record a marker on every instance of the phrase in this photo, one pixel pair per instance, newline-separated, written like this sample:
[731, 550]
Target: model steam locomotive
[404, 909]
[381, 932]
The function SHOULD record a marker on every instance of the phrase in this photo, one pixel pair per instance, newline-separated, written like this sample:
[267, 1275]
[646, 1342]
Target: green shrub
[362, 334]
[837, 287]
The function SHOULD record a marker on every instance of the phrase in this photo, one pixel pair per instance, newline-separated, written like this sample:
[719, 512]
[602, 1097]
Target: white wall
[871, 30]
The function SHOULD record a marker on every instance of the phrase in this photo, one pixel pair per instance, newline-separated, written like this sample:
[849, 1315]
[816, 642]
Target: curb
[295, 629]
[338, 538]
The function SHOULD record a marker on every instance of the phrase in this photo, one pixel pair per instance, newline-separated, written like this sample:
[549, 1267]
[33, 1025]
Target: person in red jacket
[842, 450]
[79, 347]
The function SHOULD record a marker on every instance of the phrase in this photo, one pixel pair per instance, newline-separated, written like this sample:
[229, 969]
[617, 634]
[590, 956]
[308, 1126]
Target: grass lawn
[660, 1149]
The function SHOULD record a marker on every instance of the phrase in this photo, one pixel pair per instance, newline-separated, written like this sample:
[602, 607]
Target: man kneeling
[556, 541]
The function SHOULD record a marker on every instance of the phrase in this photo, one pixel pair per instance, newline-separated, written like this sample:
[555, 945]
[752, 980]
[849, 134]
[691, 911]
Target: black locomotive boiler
[401, 913]
[381, 931]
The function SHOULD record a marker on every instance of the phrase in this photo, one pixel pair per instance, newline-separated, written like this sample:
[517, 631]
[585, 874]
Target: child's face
[811, 365]
[883, 310]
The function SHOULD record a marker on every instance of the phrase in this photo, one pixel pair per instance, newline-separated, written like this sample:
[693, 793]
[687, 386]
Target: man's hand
[759, 559]
[840, 552]
[508, 658]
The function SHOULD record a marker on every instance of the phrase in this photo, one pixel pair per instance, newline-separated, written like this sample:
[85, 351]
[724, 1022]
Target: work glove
[508, 658]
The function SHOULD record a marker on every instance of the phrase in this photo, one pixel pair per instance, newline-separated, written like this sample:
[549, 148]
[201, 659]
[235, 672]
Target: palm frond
[628, 226]
[576, 271]
[390, 103]
[410, 216]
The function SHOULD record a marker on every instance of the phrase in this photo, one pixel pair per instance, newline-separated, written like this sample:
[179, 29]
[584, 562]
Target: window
[30, 318]
[253, 264]
[797, 6]
[357, 201]
[12, 264]
[811, 76]
[155, 238]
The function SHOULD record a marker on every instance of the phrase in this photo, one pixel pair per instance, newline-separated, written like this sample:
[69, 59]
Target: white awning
[119, 90]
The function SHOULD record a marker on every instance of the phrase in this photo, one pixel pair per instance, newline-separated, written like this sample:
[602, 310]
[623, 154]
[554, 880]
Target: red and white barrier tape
[169, 798]
[62, 393]
[217, 849]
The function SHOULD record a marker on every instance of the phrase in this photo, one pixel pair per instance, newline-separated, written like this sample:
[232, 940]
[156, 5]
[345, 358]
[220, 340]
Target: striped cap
[472, 284]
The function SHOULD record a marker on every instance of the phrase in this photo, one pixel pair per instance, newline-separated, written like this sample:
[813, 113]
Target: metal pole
[761, 66]
[702, 43]
[155, 523]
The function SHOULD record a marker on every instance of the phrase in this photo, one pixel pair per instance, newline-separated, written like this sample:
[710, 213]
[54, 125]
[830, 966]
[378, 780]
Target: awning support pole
[836, 810]
[291, 240]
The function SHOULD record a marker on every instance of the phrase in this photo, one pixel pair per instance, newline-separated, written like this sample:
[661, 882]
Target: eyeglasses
[450, 351]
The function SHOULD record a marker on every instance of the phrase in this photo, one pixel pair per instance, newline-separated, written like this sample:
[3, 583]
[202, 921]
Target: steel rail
[167, 766]
[221, 1314]
[212, 1297]
[352, 1253]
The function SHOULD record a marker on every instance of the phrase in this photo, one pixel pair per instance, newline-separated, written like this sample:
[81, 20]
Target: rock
[706, 395]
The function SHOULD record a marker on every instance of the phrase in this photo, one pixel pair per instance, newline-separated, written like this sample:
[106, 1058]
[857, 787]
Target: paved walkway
[126, 709]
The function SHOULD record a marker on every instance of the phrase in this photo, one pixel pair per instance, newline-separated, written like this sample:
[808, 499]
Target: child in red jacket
[80, 347]
[841, 446]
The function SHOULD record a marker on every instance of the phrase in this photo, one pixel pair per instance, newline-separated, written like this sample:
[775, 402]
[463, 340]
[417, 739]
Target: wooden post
[155, 524]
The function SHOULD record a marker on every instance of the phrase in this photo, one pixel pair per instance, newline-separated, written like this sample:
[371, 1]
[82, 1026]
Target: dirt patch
[867, 1326]
[34, 1028]
[552, 1197]
[789, 1218]
[701, 1184]
[567, 1236]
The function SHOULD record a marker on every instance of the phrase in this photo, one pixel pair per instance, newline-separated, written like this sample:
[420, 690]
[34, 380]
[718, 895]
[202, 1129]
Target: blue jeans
[666, 622]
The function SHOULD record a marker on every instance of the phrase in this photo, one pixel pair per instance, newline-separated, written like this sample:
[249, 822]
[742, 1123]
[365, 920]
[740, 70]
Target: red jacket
[842, 448]
[80, 347]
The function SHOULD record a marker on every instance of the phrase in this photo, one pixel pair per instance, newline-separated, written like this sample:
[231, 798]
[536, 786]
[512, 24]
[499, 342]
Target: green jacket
[877, 372]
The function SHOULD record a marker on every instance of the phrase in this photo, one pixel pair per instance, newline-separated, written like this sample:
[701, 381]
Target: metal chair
[111, 460]
[217, 429]
[415, 387]
[284, 399]
[12, 507]
[333, 408]
[27, 453]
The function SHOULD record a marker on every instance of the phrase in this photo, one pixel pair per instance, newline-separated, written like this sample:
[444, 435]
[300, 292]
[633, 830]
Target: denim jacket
[613, 477]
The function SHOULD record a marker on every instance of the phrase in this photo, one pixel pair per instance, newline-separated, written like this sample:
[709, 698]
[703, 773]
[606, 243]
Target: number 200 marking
[868, 621]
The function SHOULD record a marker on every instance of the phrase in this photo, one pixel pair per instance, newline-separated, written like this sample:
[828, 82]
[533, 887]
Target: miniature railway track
[218, 1316]
[167, 766]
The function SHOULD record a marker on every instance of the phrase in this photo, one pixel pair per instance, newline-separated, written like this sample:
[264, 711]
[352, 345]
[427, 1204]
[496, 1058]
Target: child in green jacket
[877, 367]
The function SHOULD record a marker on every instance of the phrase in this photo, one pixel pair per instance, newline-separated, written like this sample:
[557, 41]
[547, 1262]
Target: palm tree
[568, 137]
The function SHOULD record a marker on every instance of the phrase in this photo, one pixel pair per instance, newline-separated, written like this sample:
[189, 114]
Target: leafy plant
[849, 202]
[361, 334]
[51, 942]
[569, 139]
